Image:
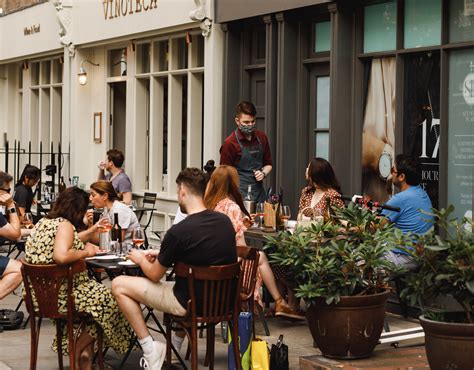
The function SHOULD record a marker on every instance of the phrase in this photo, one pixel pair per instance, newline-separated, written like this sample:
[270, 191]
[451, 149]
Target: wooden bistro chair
[221, 302]
[43, 282]
[249, 261]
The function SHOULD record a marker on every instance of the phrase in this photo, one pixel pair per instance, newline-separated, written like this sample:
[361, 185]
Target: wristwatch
[11, 210]
[385, 163]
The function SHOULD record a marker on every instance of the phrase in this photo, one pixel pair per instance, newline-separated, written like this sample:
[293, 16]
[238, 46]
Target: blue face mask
[247, 129]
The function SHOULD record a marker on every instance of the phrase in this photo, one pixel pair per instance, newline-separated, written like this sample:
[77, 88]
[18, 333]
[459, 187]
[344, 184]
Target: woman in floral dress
[55, 239]
[223, 195]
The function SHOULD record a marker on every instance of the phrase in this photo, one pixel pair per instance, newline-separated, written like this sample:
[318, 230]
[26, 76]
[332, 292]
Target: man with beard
[247, 149]
[412, 201]
[203, 238]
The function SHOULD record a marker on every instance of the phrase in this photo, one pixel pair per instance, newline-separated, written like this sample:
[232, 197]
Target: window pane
[143, 58]
[322, 39]
[165, 127]
[322, 102]
[322, 145]
[161, 56]
[461, 132]
[117, 63]
[184, 120]
[461, 20]
[422, 23]
[380, 26]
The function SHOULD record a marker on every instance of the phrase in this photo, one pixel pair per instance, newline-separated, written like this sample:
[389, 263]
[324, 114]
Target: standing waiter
[247, 149]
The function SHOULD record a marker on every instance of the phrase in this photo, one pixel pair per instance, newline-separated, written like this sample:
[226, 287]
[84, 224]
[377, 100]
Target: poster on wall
[461, 132]
[421, 123]
[378, 137]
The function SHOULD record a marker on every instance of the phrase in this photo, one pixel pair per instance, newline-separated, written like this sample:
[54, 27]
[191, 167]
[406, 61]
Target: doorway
[118, 110]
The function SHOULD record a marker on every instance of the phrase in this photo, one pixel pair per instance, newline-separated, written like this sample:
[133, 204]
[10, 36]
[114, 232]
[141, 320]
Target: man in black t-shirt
[204, 238]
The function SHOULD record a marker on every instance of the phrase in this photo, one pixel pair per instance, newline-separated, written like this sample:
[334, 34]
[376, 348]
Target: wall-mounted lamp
[82, 71]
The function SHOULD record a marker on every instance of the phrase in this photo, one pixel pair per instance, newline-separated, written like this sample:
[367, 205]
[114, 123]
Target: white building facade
[153, 89]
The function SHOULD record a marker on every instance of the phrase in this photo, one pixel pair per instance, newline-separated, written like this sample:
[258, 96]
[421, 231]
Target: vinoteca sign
[121, 8]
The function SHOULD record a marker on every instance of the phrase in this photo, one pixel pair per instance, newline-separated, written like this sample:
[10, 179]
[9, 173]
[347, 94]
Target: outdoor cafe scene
[236, 185]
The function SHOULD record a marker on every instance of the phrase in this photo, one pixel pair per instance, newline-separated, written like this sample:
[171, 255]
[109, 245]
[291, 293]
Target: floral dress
[233, 211]
[89, 295]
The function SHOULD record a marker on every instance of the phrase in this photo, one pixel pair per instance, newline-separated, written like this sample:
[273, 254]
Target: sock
[147, 345]
[177, 341]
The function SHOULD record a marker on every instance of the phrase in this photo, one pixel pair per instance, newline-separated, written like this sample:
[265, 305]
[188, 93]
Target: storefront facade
[352, 81]
[152, 71]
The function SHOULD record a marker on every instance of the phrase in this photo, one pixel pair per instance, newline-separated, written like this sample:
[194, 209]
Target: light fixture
[82, 71]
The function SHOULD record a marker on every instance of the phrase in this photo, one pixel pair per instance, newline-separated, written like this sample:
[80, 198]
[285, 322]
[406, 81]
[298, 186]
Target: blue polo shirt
[410, 218]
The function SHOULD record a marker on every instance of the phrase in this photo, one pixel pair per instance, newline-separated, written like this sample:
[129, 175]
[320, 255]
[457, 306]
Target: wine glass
[138, 237]
[259, 213]
[285, 214]
[28, 220]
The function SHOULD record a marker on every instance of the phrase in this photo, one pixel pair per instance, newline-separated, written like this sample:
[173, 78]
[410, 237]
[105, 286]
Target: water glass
[259, 213]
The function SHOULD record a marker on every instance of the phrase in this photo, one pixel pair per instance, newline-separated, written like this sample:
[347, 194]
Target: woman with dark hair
[102, 195]
[55, 239]
[323, 190]
[223, 195]
[24, 195]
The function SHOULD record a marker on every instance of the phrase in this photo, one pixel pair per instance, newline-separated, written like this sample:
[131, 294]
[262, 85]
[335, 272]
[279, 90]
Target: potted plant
[341, 274]
[445, 275]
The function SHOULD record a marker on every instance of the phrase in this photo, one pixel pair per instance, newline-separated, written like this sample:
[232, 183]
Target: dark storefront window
[421, 118]
[322, 37]
[461, 20]
[380, 27]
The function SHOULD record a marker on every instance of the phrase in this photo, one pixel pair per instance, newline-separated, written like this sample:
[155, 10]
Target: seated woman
[54, 239]
[103, 195]
[322, 191]
[223, 195]
[24, 194]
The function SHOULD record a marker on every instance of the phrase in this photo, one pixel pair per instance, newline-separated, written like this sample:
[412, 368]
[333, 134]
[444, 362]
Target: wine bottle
[280, 222]
[62, 185]
[116, 230]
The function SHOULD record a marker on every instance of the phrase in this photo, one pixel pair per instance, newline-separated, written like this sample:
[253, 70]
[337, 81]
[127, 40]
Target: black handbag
[279, 355]
[10, 319]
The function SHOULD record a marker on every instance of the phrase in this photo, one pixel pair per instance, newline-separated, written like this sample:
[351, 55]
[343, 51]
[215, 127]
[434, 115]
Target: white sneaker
[156, 359]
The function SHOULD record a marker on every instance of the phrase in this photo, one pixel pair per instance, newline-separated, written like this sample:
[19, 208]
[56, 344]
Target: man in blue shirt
[411, 200]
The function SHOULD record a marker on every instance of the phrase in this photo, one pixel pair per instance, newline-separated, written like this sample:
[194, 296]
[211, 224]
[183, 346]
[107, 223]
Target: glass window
[322, 38]
[322, 145]
[380, 27]
[422, 23]
[34, 67]
[57, 70]
[161, 56]
[322, 102]
[180, 53]
[143, 58]
[461, 20]
[461, 132]
[45, 72]
[118, 62]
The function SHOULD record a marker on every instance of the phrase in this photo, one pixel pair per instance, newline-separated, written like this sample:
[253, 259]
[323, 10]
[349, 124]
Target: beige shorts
[160, 296]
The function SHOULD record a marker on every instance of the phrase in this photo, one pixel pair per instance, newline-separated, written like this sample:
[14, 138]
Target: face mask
[247, 130]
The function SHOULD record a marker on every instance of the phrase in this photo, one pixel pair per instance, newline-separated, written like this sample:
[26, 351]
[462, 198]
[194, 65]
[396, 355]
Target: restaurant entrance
[118, 110]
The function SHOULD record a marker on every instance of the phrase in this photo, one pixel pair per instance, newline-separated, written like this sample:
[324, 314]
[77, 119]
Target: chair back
[149, 200]
[43, 282]
[220, 290]
[249, 261]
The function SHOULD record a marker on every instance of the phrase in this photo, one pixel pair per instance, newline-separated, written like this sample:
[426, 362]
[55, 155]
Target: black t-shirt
[23, 197]
[206, 238]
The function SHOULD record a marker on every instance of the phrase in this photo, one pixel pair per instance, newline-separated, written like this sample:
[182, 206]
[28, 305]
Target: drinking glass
[138, 237]
[134, 204]
[28, 218]
[318, 216]
[259, 213]
[285, 215]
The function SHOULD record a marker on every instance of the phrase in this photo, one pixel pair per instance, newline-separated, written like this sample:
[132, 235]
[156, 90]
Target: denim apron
[251, 160]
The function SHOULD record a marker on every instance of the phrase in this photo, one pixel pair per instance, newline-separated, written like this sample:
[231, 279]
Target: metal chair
[149, 200]
[44, 282]
[221, 286]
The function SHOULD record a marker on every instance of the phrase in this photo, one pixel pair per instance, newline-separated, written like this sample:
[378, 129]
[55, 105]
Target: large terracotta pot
[351, 329]
[448, 345]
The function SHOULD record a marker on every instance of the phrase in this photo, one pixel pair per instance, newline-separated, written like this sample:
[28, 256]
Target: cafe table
[115, 266]
[256, 237]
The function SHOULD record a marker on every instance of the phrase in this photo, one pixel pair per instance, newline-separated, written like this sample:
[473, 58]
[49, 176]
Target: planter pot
[448, 345]
[350, 329]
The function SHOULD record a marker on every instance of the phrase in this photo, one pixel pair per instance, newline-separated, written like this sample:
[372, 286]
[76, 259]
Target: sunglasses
[6, 190]
[393, 171]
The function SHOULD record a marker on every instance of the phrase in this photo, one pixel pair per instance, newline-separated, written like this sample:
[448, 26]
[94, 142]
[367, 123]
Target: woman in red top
[322, 192]
[223, 195]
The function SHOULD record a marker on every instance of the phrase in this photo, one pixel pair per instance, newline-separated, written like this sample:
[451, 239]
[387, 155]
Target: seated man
[204, 238]
[411, 200]
[116, 175]
[9, 229]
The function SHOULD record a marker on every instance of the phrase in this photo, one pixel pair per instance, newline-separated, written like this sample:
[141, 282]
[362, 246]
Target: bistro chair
[42, 284]
[149, 200]
[221, 302]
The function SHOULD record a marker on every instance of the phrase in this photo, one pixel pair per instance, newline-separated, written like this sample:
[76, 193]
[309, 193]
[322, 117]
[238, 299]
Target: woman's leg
[84, 351]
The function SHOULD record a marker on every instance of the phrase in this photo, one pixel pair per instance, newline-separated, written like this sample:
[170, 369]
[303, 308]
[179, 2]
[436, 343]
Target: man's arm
[152, 270]
[127, 197]
[11, 230]
[63, 253]
[227, 153]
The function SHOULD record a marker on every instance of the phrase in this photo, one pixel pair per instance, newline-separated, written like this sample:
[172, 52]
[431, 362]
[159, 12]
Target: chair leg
[34, 336]
[261, 315]
[72, 346]
[194, 348]
[100, 341]
[60, 345]
[211, 332]
[168, 344]
[235, 342]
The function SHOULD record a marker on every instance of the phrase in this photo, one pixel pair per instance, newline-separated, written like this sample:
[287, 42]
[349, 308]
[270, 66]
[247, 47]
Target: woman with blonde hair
[223, 195]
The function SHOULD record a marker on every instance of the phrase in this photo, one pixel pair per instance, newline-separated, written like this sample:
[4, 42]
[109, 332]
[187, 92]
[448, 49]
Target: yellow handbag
[260, 357]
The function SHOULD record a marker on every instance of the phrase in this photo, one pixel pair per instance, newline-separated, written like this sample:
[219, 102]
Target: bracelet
[264, 174]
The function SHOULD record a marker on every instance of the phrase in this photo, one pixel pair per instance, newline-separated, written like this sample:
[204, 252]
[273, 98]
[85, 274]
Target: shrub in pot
[341, 274]
[446, 270]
